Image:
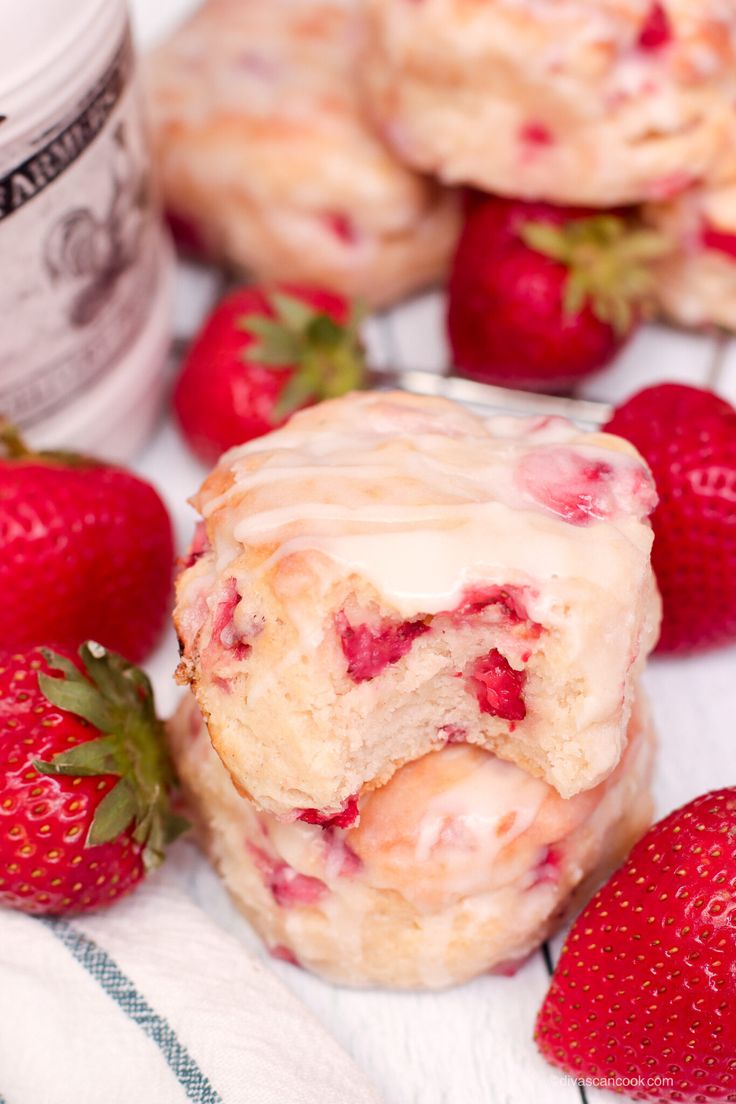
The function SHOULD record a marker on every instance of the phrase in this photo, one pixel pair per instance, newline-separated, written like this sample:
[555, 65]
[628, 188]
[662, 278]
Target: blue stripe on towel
[122, 990]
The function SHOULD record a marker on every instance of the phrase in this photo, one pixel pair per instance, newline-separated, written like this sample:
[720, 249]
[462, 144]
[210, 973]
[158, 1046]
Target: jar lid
[49, 43]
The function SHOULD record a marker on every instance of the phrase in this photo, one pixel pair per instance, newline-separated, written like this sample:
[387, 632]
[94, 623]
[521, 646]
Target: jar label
[81, 247]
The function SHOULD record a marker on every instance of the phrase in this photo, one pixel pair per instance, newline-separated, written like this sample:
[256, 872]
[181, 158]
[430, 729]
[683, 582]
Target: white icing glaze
[476, 806]
[424, 499]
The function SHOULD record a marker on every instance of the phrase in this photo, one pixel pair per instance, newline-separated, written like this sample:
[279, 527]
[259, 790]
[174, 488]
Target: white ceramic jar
[85, 265]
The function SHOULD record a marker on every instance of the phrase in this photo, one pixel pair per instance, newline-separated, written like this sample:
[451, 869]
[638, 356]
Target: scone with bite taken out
[459, 865]
[387, 573]
[268, 161]
[601, 102]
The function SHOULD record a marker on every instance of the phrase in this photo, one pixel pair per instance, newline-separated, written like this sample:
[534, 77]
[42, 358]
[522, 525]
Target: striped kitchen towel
[152, 1003]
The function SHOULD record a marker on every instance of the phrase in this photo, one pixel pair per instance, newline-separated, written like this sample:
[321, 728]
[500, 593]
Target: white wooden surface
[471, 1045]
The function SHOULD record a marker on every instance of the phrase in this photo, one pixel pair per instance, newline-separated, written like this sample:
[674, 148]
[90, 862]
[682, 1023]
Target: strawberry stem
[117, 699]
[13, 447]
[12, 442]
[609, 261]
[325, 357]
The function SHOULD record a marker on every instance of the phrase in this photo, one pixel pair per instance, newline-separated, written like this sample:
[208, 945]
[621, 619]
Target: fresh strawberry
[84, 780]
[540, 296]
[86, 551]
[262, 354]
[645, 989]
[688, 437]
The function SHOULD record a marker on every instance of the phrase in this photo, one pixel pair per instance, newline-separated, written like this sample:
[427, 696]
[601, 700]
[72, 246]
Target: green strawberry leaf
[574, 296]
[113, 815]
[298, 391]
[106, 672]
[324, 331]
[324, 357]
[85, 760]
[275, 346]
[610, 262]
[175, 826]
[544, 237]
[291, 312]
[80, 698]
[155, 845]
[60, 663]
[116, 698]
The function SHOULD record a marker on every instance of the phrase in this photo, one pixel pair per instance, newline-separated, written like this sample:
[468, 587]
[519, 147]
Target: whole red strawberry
[645, 989]
[688, 437]
[84, 780]
[86, 551]
[262, 354]
[540, 296]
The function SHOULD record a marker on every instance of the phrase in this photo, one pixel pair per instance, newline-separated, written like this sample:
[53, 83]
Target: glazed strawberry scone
[696, 281]
[267, 160]
[599, 102]
[459, 865]
[388, 571]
